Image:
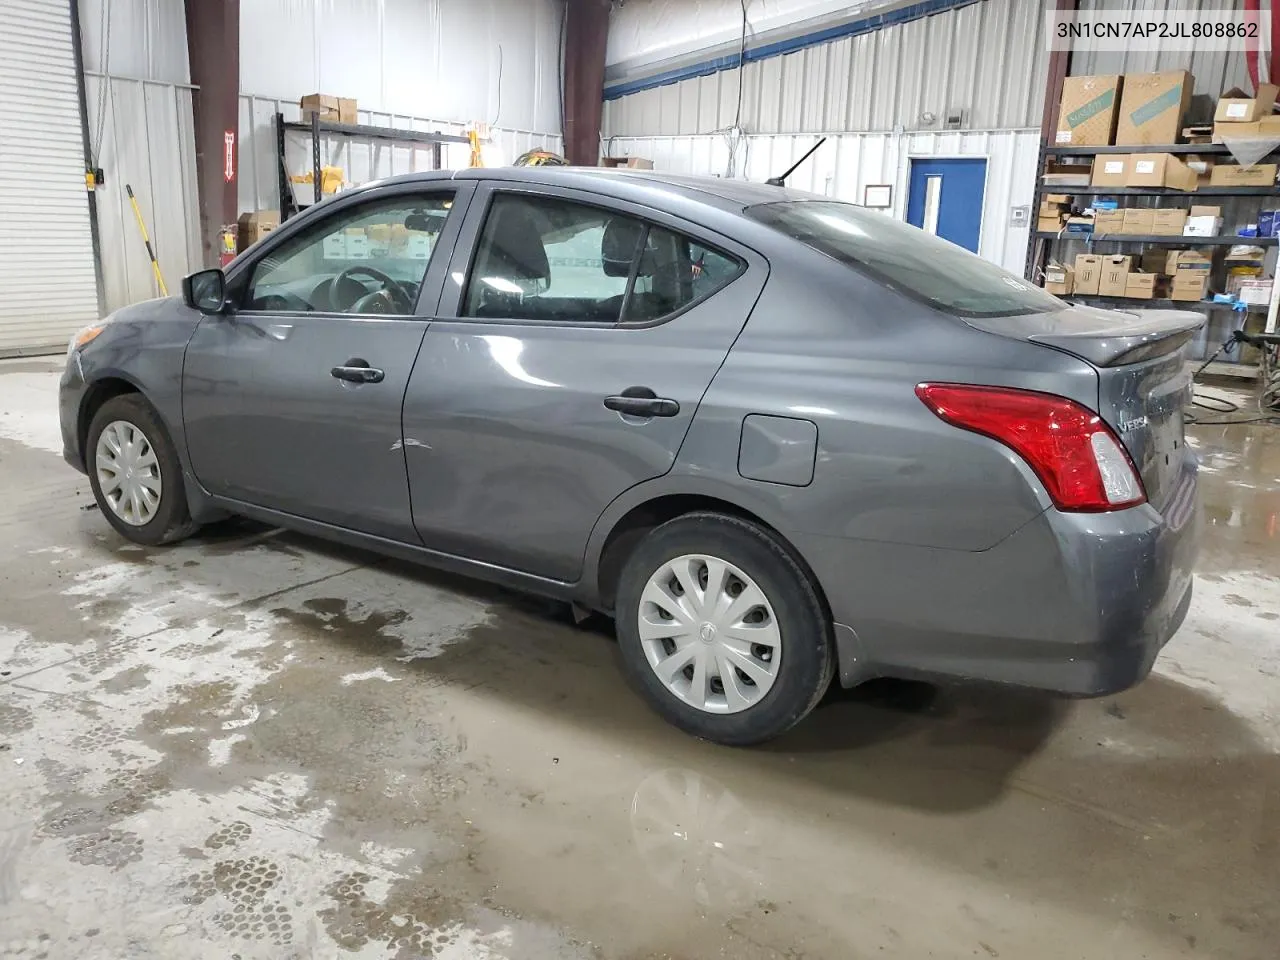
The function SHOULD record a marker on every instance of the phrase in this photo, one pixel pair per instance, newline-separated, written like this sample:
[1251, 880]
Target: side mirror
[206, 291]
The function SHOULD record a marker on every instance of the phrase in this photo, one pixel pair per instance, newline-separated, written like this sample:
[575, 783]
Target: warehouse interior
[260, 744]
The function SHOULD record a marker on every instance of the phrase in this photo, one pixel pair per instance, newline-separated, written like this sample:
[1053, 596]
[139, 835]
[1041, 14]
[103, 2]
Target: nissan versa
[777, 438]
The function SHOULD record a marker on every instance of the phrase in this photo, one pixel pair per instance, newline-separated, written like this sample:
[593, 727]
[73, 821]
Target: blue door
[945, 198]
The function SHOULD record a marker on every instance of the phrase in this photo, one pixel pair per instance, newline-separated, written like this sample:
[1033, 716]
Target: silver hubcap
[709, 634]
[128, 473]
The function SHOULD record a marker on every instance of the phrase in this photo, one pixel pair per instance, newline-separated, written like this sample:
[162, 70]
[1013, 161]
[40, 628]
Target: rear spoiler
[1141, 335]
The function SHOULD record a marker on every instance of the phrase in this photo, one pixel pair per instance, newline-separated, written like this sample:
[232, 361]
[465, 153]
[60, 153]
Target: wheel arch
[98, 392]
[625, 522]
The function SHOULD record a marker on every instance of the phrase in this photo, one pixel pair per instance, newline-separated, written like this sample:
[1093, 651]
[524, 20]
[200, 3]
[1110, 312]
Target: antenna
[782, 180]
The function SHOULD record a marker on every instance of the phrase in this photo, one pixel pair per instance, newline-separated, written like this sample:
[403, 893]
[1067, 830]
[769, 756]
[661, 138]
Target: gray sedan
[779, 439]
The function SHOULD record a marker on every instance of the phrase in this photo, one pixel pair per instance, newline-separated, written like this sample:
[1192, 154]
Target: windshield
[906, 258]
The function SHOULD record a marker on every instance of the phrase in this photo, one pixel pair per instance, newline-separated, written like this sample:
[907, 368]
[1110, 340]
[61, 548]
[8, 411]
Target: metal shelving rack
[317, 129]
[1038, 249]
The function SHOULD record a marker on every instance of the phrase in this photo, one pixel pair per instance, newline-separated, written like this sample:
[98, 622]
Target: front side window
[369, 259]
[543, 258]
[907, 259]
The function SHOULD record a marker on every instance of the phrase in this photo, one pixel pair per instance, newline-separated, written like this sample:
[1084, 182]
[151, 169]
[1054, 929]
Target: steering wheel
[390, 299]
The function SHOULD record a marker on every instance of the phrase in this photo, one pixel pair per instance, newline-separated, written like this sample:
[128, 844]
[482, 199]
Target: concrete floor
[258, 745]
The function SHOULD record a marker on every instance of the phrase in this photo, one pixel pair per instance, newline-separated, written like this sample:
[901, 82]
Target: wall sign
[878, 196]
[229, 156]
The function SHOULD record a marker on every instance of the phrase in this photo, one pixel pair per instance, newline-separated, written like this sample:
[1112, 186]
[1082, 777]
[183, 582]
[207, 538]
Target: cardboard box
[1160, 170]
[1049, 224]
[1058, 279]
[1139, 220]
[1169, 222]
[1061, 198]
[1187, 261]
[1143, 286]
[252, 227]
[1269, 223]
[1235, 106]
[631, 163]
[1080, 226]
[1067, 174]
[1087, 273]
[1087, 116]
[1189, 285]
[1108, 221]
[1114, 275]
[1255, 292]
[1266, 128]
[1152, 261]
[357, 243]
[1202, 227]
[330, 109]
[1205, 210]
[1110, 171]
[1234, 175]
[1153, 106]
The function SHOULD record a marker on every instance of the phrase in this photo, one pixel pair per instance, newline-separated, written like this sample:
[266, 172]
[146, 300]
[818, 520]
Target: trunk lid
[1143, 381]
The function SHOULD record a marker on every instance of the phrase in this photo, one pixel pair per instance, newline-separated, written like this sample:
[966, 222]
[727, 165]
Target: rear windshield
[906, 258]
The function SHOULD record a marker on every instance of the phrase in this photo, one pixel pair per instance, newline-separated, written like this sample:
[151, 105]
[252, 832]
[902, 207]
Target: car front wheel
[135, 473]
[722, 630]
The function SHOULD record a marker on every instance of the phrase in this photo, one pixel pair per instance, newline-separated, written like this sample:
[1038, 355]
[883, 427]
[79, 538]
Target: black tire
[172, 520]
[807, 661]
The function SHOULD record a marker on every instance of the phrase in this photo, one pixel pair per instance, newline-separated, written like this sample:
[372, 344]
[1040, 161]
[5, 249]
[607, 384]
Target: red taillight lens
[1074, 453]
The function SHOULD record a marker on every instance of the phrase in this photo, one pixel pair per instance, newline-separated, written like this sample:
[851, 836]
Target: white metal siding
[141, 133]
[494, 61]
[846, 164]
[48, 285]
[987, 60]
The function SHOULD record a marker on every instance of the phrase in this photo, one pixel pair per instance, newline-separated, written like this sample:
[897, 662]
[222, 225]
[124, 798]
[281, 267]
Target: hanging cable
[104, 81]
[742, 62]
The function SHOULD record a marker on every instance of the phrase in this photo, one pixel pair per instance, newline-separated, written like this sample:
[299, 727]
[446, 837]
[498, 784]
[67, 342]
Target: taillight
[1072, 450]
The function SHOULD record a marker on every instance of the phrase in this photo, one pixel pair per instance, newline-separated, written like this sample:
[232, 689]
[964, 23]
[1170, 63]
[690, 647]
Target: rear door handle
[356, 370]
[641, 406]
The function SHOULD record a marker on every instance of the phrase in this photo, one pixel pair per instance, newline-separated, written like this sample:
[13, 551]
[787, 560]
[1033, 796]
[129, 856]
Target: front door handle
[356, 370]
[642, 402]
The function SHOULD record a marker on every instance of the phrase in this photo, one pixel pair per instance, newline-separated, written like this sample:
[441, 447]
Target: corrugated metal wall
[140, 128]
[847, 163]
[987, 60]
[361, 161]
[494, 61]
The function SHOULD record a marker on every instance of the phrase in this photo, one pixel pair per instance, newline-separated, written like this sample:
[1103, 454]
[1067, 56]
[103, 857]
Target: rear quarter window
[906, 259]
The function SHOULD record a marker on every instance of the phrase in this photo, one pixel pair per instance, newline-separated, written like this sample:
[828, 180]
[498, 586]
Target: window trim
[611, 205]
[240, 273]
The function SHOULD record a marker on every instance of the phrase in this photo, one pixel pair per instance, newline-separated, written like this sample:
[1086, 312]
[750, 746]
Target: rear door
[537, 398]
[292, 401]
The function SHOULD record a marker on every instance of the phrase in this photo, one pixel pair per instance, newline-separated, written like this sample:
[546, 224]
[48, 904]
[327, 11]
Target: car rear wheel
[135, 473]
[722, 630]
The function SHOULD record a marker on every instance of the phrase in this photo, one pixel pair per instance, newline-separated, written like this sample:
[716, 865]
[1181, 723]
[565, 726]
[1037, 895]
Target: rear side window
[907, 259]
[548, 259]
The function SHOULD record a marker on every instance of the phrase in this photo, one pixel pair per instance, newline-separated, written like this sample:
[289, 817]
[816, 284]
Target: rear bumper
[1076, 603]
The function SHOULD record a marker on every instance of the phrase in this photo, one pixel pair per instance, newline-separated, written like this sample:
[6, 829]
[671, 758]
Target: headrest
[516, 250]
[618, 246]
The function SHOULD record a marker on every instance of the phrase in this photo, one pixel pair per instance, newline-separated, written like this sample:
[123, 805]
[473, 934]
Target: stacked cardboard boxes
[329, 109]
[1242, 117]
[1088, 113]
[1054, 210]
[1190, 270]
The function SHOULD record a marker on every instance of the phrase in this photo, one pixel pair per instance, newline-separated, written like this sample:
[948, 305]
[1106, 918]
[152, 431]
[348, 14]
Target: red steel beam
[213, 50]
[586, 32]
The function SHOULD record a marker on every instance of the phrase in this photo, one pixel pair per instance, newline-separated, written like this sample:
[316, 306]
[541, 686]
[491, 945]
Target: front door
[945, 199]
[292, 401]
[569, 361]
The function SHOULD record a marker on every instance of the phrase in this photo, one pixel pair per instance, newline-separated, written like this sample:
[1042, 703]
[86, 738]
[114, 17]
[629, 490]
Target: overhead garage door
[48, 287]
